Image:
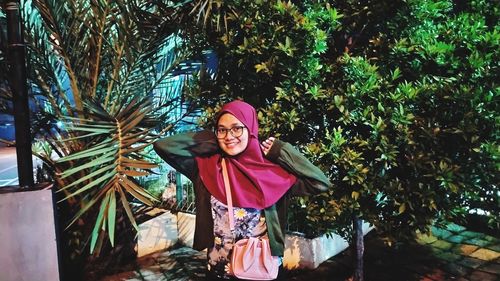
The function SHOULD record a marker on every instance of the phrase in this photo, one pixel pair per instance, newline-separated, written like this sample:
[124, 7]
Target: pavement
[8, 166]
[447, 253]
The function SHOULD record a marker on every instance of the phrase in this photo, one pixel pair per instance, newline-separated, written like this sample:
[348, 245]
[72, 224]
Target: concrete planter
[308, 253]
[164, 231]
[185, 228]
[28, 237]
[157, 234]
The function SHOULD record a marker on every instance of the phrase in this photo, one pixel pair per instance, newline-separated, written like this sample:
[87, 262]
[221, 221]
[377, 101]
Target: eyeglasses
[236, 132]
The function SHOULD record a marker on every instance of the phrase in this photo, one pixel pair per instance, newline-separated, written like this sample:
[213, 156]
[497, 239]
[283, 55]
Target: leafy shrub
[397, 101]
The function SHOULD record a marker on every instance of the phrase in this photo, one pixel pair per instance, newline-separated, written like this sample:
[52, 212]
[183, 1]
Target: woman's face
[228, 129]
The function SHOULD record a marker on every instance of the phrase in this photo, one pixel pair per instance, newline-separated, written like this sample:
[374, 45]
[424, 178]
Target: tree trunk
[359, 248]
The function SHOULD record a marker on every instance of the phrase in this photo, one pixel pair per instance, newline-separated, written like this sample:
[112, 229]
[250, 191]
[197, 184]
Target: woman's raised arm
[310, 179]
[180, 150]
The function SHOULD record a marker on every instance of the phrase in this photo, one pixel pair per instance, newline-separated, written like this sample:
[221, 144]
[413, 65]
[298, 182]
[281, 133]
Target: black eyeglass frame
[231, 130]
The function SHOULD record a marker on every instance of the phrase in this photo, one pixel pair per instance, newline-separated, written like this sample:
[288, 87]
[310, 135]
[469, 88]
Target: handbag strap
[228, 196]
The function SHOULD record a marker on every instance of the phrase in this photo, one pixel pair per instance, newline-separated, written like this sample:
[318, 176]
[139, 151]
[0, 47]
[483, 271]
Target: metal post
[179, 192]
[18, 84]
[359, 248]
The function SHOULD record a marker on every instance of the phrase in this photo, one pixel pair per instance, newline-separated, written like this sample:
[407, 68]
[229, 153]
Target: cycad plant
[109, 163]
[102, 78]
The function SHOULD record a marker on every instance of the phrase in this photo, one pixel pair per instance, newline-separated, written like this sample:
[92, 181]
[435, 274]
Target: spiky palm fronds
[110, 162]
[108, 73]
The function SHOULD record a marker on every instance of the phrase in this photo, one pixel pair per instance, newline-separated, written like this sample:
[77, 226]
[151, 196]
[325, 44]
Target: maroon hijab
[255, 181]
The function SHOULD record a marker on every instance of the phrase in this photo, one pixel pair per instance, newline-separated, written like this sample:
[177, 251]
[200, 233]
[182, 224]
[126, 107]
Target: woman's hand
[267, 144]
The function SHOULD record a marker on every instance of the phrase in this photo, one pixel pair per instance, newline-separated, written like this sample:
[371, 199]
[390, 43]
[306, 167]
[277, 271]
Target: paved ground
[8, 165]
[451, 253]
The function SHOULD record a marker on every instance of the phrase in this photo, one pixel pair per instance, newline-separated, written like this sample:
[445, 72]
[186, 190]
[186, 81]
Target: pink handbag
[251, 258]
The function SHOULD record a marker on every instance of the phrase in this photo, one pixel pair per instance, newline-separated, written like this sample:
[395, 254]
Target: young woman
[263, 177]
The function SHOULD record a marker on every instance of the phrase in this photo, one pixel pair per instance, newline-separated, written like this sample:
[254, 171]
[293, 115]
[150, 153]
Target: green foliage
[110, 162]
[453, 58]
[263, 43]
[105, 69]
[397, 101]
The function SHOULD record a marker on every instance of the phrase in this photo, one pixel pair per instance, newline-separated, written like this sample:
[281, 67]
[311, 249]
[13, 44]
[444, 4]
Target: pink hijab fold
[255, 181]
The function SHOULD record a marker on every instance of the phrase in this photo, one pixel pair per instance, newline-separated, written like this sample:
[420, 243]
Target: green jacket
[179, 151]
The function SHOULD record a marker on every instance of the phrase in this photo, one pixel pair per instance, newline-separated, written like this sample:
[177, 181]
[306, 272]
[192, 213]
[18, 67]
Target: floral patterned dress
[248, 222]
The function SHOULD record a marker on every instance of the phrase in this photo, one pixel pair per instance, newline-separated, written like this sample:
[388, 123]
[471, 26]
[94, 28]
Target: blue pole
[178, 192]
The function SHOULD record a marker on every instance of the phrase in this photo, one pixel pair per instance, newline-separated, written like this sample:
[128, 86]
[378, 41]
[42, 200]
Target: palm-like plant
[113, 158]
[108, 74]
[214, 14]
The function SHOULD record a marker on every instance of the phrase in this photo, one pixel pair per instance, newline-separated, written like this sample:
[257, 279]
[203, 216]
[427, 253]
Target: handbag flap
[267, 259]
[251, 253]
